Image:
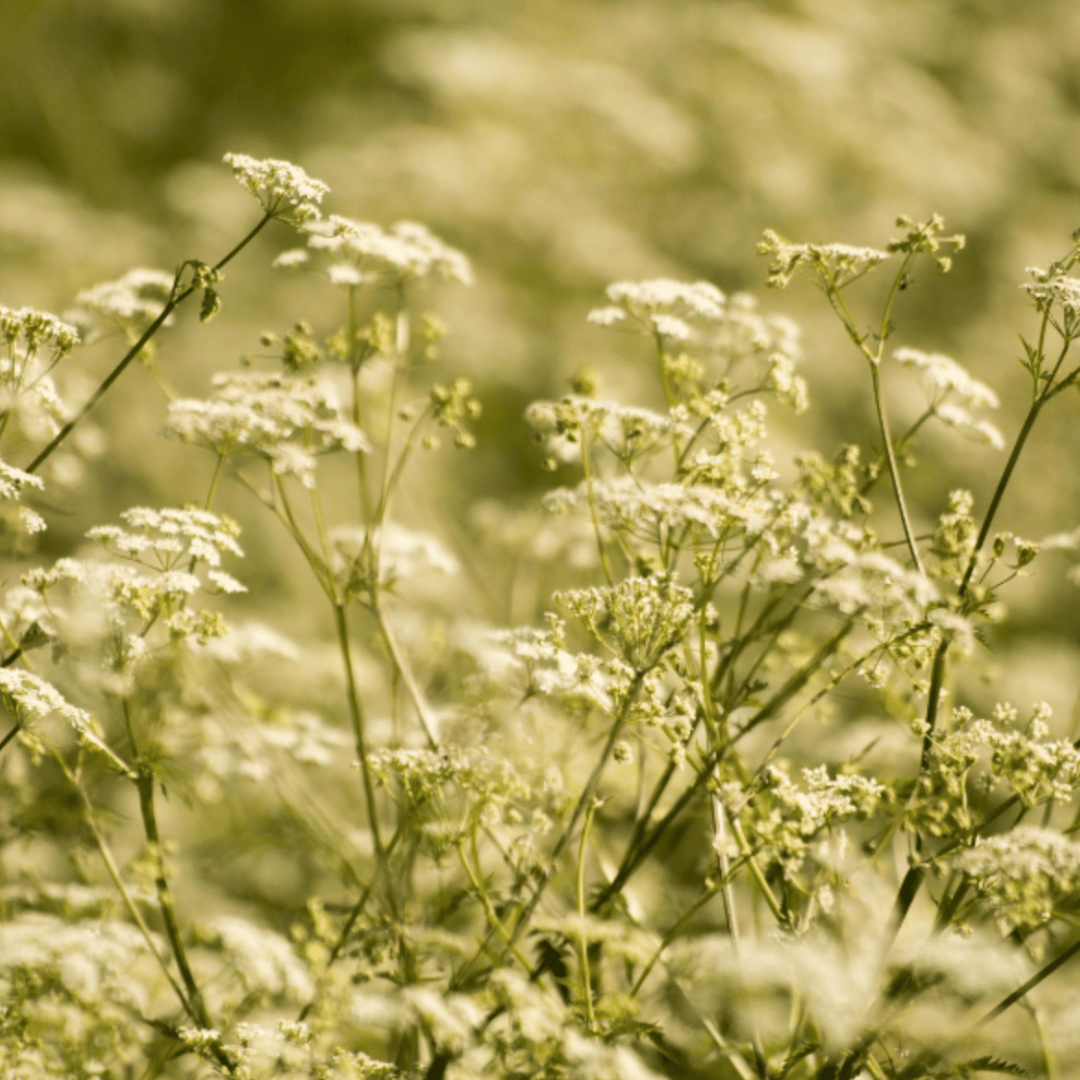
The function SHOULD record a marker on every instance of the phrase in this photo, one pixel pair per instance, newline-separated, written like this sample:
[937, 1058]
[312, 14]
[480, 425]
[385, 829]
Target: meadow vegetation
[719, 797]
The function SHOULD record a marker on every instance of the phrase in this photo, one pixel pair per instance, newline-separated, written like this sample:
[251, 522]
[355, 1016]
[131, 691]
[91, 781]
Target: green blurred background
[562, 144]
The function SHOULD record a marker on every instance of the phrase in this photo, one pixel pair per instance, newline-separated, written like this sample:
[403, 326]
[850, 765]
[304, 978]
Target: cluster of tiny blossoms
[366, 254]
[36, 342]
[288, 420]
[639, 619]
[1024, 873]
[132, 302]
[953, 392]
[284, 190]
[785, 819]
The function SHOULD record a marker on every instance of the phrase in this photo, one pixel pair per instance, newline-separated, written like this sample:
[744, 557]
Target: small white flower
[284, 190]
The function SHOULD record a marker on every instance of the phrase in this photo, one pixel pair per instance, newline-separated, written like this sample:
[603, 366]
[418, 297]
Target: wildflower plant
[595, 844]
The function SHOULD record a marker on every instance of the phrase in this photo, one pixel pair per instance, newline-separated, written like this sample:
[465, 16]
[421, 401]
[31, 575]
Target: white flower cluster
[1054, 292]
[855, 580]
[786, 818]
[73, 995]
[658, 513]
[365, 254]
[36, 343]
[90, 605]
[627, 431]
[284, 190]
[944, 375]
[33, 329]
[227, 751]
[947, 381]
[662, 307]
[1024, 873]
[1034, 767]
[835, 264]
[162, 539]
[29, 697]
[423, 775]
[552, 671]
[639, 618]
[720, 329]
[263, 963]
[733, 436]
[132, 301]
[12, 483]
[288, 420]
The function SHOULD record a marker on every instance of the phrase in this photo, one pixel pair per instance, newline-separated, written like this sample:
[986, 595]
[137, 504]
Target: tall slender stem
[145, 785]
[894, 471]
[357, 715]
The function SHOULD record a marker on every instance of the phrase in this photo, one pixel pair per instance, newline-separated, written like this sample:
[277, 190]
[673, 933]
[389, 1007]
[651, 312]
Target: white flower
[12, 481]
[284, 190]
[672, 328]
[407, 251]
[838, 263]
[344, 274]
[1025, 872]
[29, 697]
[959, 418]
[1049, 291]
[265, 413]
[264, 962]
[37, 328]
[289, 259]
[608, 316]
[945, 376]
[671, 302]
[165, 538]
[135, 299]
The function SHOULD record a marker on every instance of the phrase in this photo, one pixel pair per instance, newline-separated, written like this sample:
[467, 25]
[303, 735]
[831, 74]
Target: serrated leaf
[994, 1065]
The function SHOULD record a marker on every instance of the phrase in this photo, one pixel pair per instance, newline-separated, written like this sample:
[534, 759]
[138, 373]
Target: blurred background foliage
[561, 145]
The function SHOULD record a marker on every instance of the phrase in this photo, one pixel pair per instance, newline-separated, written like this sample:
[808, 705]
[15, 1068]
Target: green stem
[356, 713]
[174, 302]
[755, 871]
[114, 873]
[604, 564]
[485, 902]
[894, 470]
[428, 721]
[145, 786]
[1034, 981]
[583, 945]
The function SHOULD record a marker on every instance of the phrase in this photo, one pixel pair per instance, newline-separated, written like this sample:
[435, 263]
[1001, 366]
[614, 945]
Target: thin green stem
[755, 871]
[604, 564]
[1043, 973]
[145, 786]
[114, 873]
[894, 470]
[583, 944]
[357, 715]
[490, 914]
[173, 303]
[428, 720]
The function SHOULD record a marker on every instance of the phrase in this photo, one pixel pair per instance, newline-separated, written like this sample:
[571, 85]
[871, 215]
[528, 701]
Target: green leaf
[991, 1065]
